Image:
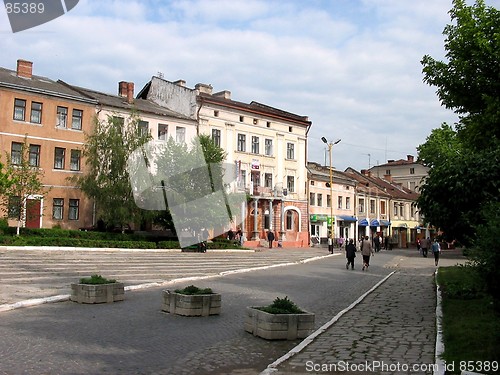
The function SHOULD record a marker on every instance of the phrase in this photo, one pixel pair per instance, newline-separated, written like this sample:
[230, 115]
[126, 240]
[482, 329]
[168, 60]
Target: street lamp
[330, 145]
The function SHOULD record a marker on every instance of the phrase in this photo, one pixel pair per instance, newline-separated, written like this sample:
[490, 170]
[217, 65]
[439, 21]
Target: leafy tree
[20, 182]
[464, 173]
[106, 179]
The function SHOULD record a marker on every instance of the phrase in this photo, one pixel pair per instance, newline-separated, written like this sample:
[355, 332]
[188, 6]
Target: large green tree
[464, 159]
[106, 178]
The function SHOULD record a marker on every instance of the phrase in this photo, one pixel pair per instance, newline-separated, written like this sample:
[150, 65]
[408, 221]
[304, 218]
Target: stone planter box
[278, 326]
[191, 305]
[98, 293]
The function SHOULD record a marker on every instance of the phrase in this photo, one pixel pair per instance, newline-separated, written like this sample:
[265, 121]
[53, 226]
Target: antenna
[369, 160]
[160, 75]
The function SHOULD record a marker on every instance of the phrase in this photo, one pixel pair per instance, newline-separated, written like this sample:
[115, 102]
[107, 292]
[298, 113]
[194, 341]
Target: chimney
[390, 161]
[410, 158]
[130, 92]
[388, 177]
[223, 94]
[126, 90]
[180, 82]
[24, 68]
[203, 88]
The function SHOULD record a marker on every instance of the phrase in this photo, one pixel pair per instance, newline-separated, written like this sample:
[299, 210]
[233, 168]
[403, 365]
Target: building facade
[409, 173]
[266, 149]
[52, 118]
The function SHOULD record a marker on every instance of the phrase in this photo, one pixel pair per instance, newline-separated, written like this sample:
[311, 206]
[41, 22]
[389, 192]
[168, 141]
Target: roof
[40, 85]
[120, 102]
[323, 173]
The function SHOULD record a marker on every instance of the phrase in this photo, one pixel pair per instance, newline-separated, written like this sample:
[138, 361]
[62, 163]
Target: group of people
[426, 244]
[367, 250]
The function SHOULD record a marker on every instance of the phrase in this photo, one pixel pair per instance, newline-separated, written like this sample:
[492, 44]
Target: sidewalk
[389, 330]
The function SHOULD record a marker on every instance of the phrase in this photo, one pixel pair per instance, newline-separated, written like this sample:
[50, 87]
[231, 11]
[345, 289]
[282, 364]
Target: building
[267, 148]
[322, 207]
[53, 118]
[386, 208]
[409, 173]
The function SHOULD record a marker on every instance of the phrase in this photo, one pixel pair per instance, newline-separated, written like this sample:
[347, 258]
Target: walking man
[436, 250]
[270, 238]
[426, 244]
[366, 251]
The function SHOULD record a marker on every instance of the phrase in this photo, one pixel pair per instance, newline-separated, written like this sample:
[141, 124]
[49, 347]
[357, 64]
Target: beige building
[409, 173]
[322, 207]
[267, 148]
[53, 118]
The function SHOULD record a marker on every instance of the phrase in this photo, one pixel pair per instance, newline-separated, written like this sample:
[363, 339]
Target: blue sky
[352, 66]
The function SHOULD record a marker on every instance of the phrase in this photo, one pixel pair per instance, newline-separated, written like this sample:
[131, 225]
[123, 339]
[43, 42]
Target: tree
[21, 185]
[106, 178]
[463, 176]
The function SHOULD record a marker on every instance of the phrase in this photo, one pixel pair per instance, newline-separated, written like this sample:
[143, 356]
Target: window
[243, 179]
[372, 206]
[268, 124]
[388, 172]
[19, 109]
[290, 151]
[312, 199]
[382, 208]
[74, 163]
[290, 129]
[242, 142]
[242, 118]
[361, 205]
[216, 113]
[118, 120]
[402, 210]
[290, 183]
[268, 147]
[76, 121]
[59, 158]
[16, 153]
[396, 209]
[268, 180]
[255, 145]
[413, 186]
[74, 209]
[62, 117]
[34, 156]
[412, 211]
[328, 200]
[14, 208]
[255, 121]
[320, 200]
[36, 113]
[162, 132]
[412, 170]
[340, 202]
[57, 208]
[180, 134]
[348, 203]
[143, 128]
[216, 137]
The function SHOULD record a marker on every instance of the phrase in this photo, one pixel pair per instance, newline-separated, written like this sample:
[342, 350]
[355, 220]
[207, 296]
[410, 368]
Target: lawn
[471, 327]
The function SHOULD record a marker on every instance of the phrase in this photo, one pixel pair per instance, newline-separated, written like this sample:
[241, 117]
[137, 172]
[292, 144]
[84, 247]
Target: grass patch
[471, 326]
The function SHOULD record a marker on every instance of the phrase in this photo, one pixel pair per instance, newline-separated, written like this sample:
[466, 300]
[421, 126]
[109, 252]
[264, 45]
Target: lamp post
[330, 145]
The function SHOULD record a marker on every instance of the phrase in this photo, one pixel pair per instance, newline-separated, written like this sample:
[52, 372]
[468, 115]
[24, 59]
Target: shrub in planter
[192, 301]
[97, 289]
[281, 320]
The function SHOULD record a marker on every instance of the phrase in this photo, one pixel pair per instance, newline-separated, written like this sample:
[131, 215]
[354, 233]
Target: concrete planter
[278, 326]
[191, 305]
[97, 293]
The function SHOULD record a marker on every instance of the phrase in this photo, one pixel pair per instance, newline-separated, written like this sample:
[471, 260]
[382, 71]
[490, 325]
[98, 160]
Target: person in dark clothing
[350, 254]
[270, 238]
[230, 235]
[377, 241]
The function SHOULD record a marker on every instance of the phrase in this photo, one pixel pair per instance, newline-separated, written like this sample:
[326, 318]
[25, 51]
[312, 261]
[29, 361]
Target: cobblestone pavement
[135, 337]
[391, 331]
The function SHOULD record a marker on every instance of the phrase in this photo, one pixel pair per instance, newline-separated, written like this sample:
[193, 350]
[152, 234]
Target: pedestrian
[386, 243]
[418, 245]
[426, 244]
[270, 238]
[330, 245]
[366, 251]
[350, 254]
[436, 250]
[377, 241]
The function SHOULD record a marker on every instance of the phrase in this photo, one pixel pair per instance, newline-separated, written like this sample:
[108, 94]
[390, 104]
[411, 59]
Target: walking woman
[350, 254]
[366, 251]
[436, 250]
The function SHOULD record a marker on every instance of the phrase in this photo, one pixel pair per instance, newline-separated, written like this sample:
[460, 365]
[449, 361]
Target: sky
[351, 66]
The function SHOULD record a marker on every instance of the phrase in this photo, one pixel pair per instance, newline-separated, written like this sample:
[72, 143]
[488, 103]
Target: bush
[193, 290]
[169, 245]
[282, 306]
[73, 242]
[96, 280]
